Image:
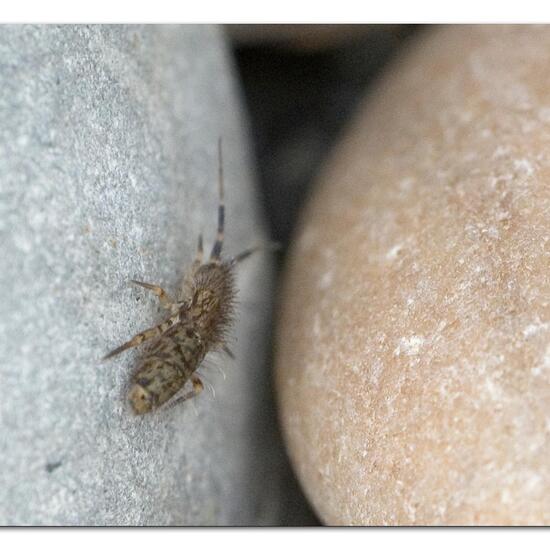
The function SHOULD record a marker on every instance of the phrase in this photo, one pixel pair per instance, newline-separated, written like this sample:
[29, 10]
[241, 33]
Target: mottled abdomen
[165, 370]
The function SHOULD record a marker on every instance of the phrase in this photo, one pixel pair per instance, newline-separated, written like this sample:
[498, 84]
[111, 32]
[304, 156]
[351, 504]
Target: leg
[228, 351]
[200, 251]
[165, 300]
[197, 388]
[246, 253]
[217, 248]
[138, 339]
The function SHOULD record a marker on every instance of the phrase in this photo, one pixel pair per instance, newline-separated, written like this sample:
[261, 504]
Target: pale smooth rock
[108, 156]
[413, 364]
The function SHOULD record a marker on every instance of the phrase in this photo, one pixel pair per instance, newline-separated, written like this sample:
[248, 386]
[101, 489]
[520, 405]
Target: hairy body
[199, 322]
[199, 325]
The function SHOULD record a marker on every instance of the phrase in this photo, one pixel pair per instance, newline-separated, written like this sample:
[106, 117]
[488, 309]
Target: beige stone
[413, 345]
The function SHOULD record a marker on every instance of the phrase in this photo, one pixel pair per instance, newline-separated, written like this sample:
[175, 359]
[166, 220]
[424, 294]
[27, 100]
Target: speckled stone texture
[413, 362]
[108, 158]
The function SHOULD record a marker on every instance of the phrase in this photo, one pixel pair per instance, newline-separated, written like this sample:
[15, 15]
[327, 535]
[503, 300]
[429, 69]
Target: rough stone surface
[108, 160]
[413, 363]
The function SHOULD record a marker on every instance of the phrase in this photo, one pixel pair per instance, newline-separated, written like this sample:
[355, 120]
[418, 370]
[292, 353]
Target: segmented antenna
[217, 248]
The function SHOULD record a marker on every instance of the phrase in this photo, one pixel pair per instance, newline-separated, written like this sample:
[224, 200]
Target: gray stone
[108, 142]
